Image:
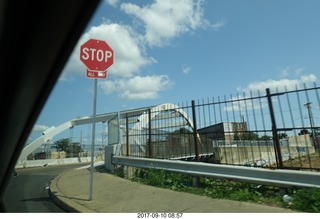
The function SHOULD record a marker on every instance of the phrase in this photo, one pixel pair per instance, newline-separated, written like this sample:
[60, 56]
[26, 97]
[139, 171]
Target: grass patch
[303, 200]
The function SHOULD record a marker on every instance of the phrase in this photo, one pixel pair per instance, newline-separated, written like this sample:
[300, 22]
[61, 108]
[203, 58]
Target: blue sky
[174, 51]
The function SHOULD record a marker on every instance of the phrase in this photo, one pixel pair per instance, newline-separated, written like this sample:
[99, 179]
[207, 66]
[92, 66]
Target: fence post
[195, 137]
[274, 132]
[196, 179]
[149, 134]
[127, 135]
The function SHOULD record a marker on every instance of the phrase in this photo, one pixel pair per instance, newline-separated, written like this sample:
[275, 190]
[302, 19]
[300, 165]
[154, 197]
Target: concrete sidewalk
[112, 194]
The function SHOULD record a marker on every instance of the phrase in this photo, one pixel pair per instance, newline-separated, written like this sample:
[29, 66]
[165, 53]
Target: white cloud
[218, 25]
[166, 19]
[242, 104]
[186, 69]
[137, 88]
[129, 55]
[39, 128]
[281, 84]
[284, 73]
[161, 22]
[299, 71]
[112, 2]
[107, 86]
[307, 79]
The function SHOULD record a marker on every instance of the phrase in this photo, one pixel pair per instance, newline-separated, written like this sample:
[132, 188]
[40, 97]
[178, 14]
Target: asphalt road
[28, 192]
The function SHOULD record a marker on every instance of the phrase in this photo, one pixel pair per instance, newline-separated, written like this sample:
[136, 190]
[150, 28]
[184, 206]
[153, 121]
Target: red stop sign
[96, 55]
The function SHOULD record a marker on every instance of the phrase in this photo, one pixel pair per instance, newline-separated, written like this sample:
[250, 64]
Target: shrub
[306, 200]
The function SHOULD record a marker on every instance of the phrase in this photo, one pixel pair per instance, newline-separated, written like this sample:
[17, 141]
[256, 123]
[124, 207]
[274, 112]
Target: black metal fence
[279, 129]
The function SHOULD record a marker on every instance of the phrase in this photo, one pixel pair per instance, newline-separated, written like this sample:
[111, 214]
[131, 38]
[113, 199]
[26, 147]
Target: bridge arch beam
[143, 120]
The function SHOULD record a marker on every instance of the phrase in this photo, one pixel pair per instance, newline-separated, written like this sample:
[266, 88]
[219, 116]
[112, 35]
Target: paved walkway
[112, 194]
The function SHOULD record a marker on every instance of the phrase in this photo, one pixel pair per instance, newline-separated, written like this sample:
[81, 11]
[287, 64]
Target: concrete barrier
[51, 162]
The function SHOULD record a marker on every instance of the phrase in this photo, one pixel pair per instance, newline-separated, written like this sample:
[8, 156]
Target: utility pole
[308, 106]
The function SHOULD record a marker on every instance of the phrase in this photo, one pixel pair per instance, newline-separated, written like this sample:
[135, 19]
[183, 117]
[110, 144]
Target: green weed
[302, 200]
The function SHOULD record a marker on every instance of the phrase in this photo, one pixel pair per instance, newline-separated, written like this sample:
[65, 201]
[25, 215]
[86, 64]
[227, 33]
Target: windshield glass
[179, 72]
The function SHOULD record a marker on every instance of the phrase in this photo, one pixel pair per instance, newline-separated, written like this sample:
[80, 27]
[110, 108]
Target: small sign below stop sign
[97, 55]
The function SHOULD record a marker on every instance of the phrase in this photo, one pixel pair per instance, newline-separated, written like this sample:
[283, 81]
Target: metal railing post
[195, 179]
[195, 136]
[149, 134]
[127, 135]
[274, 132]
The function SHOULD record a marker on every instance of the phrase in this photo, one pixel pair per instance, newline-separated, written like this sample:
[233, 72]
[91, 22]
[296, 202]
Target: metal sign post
[97, 56]
[93, 136]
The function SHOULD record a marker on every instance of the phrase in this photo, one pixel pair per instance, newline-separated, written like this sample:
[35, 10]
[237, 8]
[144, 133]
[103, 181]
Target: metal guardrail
[278, 177]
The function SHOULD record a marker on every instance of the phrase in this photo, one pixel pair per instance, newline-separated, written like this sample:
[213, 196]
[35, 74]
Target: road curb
[63, 201]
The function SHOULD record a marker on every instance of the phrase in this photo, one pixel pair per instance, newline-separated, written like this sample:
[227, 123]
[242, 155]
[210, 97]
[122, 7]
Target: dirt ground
[311, 162]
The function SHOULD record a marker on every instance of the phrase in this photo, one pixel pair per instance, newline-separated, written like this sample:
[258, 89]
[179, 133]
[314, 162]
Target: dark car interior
[36, 40]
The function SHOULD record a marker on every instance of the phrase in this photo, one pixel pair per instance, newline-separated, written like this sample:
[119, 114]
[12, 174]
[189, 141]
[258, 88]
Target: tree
[236, 137]
[182, 130]
[265, 138]
[304, 132]
[71, 148]
[246, 136]
[282, 135]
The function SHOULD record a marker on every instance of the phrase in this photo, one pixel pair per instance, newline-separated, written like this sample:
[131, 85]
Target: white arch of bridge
[143, 120]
